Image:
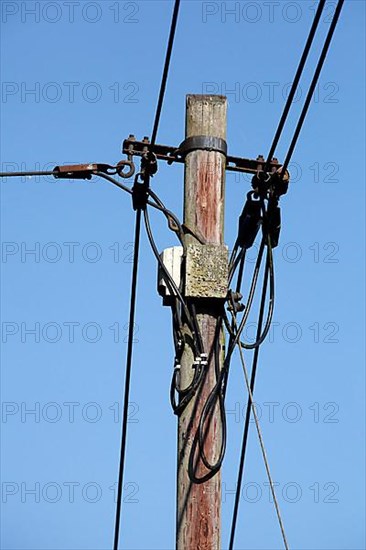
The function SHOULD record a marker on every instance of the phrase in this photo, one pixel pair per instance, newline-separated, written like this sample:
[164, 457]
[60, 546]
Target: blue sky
[78, 78]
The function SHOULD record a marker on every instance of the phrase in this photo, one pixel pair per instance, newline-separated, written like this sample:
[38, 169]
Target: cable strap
[203, 143]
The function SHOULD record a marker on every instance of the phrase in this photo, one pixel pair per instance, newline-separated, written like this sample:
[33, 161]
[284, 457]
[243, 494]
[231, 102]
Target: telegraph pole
[199, 504]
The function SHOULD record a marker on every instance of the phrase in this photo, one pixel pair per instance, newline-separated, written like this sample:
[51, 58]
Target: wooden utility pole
[199, 504]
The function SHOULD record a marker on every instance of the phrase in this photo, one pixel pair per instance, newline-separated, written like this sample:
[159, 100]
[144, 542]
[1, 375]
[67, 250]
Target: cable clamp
[234, 299]
[204, 359]
[149, 163]
[81, 171]
[197, 362]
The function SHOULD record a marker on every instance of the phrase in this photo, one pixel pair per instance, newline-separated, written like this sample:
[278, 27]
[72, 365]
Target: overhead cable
[313, 84]
[295, 82]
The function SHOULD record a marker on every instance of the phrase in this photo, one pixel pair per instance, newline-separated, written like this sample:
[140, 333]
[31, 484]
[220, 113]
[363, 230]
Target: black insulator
[274, 225]
[140, 195]
[249, 222]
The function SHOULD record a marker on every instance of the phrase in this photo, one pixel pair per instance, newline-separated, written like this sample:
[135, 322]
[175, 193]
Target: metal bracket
[132, 147]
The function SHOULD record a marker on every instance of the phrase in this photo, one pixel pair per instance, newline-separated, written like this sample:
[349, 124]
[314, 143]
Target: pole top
[203, 98]
[206, 115]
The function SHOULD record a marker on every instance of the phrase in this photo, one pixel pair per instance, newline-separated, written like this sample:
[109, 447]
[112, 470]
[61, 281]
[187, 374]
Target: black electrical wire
[170, 217]
[210, 407]
[146, 179]
[250, 297]
[155, 203]
[233, 256]
[128, 376]
[234, 262]
[177, 328]
[216, 395]
[185, 394]
[313, 84]
[295, 83]
[192, 309]
[115, 182]
[241, 270]
[248, 410]
[267, 326]
[23, 174]
[218, 392]
[269, 261]
[164, 79]
[263, 449]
